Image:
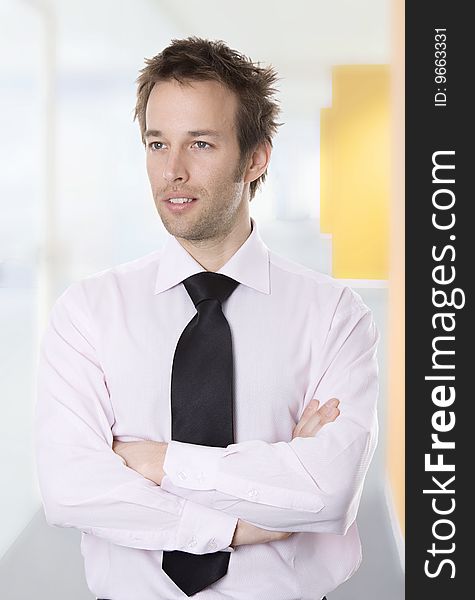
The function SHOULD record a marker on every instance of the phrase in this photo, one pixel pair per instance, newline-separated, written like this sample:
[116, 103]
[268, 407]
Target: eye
[201, 147]
[153, 145]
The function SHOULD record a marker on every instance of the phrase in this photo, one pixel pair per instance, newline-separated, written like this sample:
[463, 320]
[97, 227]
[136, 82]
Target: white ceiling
[296, 33]
[302, 39]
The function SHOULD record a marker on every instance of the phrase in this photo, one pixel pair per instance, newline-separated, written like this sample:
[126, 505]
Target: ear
[258, 162]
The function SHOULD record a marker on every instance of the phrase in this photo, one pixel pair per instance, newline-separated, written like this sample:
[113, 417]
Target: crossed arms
[311, 483]
[148, 457]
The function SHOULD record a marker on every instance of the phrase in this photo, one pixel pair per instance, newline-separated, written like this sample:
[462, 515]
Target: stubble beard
[215, 216]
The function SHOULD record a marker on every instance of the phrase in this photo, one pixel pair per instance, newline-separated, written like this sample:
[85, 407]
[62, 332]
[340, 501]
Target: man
[206, 414]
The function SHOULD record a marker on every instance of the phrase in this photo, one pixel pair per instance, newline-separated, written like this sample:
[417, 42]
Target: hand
[314, 418]
[145, 457]
[245, 533]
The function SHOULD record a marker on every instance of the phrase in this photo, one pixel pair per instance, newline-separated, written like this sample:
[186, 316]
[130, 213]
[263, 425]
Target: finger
[315, 423]
[329, 406]
[332, 402]
[310, 410]
[325, 414]
[313, 427]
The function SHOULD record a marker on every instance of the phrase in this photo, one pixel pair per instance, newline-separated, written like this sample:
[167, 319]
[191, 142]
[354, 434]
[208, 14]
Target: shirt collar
[249, 264]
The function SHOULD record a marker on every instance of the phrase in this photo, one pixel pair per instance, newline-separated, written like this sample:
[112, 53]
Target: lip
[179, 207]
[180, 194]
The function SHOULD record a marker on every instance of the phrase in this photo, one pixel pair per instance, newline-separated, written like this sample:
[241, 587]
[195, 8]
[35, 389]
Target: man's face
[193, 152]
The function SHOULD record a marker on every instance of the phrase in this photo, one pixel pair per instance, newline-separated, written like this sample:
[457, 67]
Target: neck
[213, 253]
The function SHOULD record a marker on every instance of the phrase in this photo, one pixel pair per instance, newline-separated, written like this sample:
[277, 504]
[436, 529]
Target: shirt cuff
[204, 530]
[192, 466]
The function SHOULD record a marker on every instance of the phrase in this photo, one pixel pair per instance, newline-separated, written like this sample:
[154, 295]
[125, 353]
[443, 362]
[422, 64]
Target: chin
[181, 230]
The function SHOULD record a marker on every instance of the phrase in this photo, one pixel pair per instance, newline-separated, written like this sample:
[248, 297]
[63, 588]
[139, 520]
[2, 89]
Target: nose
[175, 168]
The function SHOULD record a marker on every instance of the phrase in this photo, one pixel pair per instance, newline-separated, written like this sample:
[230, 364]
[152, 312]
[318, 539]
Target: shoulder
[319, 288]
[130, 277]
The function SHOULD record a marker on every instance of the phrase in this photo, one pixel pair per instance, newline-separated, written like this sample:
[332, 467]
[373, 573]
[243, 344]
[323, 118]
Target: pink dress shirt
[104, 371]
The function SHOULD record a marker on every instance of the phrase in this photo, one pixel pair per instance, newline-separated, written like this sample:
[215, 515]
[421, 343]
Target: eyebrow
[195, 133]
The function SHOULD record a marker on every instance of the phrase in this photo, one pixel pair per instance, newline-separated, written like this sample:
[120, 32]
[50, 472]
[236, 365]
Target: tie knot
[208, 285]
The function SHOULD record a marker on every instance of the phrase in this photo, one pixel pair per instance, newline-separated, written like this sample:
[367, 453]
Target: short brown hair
[197, 59]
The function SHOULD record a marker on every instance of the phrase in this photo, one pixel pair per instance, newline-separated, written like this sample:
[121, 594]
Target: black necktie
[202, 405]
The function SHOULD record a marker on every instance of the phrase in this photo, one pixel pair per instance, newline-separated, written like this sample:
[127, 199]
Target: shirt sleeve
[309, 484]
[83, 483]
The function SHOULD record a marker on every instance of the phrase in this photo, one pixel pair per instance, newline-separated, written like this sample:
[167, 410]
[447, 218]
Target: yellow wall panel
[355, 171]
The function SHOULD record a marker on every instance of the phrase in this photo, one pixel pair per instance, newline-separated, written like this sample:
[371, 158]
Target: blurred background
[74, 199]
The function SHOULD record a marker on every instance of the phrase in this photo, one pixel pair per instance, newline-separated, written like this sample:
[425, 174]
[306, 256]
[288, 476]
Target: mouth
[179, 204]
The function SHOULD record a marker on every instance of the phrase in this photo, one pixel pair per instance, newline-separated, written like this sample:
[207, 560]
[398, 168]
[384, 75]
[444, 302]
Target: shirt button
[212, 545]
[192, 542]
[182, 475]
[253, 493]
